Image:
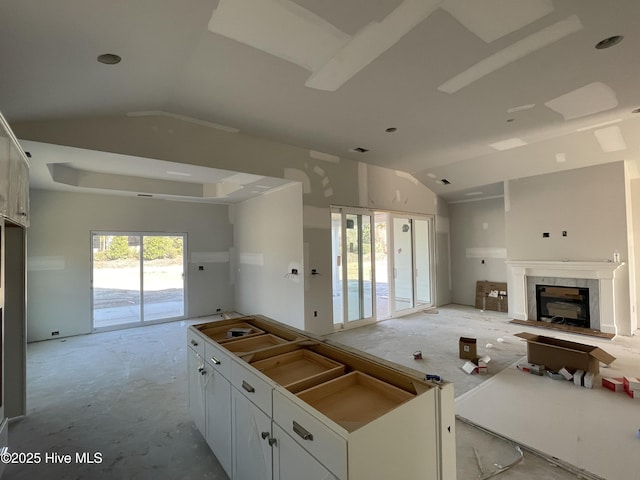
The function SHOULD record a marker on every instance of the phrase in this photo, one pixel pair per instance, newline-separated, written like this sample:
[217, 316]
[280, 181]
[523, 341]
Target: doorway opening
[137, 278]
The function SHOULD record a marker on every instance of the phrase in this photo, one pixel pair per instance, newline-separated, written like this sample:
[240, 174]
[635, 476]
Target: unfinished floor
[123, 394]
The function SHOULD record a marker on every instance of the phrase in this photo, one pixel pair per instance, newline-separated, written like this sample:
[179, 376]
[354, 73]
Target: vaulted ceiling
[478, 91]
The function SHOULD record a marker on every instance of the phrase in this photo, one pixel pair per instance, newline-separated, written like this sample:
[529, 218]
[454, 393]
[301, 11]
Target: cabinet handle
[272, 442]
[202, 371]
[248, 387]
[264, 435]
[300, 430]
[215, 361]
[194, 343]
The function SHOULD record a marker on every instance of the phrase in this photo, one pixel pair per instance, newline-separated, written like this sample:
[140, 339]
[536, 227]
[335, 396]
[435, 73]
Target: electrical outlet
[564, 233]
[294, 271]
[545, 235]
[315, 313]
[57, 332]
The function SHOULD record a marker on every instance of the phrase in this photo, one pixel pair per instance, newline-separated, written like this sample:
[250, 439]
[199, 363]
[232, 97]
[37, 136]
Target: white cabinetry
[218, 416]
[292, 462]
[14, 178]
[305, 409]
[197, 378]
[251, 440]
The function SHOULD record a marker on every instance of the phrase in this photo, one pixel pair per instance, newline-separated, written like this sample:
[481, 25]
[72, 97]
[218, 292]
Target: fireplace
[563, 305]
[609, 296]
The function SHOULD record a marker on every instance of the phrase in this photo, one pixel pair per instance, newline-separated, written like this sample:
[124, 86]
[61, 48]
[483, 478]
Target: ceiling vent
[445, 181]
[359, 150]
[146, 195]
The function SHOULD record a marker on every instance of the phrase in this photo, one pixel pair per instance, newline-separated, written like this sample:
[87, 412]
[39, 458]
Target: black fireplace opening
[563, 305]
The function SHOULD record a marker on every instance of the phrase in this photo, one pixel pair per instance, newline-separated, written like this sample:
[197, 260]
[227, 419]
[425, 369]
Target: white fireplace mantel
[604, 272]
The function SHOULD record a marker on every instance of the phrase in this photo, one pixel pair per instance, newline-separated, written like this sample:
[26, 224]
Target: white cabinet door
[5, 143]
[218, 417]
[251, 434]
[197, 378]
[18, 186]
[292, 462]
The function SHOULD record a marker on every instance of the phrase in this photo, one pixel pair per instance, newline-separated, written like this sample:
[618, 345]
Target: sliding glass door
[353, 269]
[382, 265]
[136, 278]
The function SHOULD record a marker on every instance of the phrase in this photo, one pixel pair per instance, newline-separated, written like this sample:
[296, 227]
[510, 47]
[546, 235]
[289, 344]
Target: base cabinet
[252, 459]
[196, 377]
[284, 405]
[292, 462]
[218, 417]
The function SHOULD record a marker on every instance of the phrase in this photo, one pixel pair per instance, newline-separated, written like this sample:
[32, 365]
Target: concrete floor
[123, 394]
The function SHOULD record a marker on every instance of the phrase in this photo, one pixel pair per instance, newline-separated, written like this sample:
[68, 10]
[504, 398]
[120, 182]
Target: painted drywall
[326, 180]
[635, 202]
[59, 290]
[478, 246]
[589, 204]
[268, 245]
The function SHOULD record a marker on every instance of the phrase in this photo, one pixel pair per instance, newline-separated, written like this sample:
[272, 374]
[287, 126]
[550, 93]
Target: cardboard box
[469, 368]
[468, 349]
[555, 354]
[613, 384]
[531, 368]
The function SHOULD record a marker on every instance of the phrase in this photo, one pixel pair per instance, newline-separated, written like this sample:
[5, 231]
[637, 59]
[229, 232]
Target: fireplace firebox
[563, 305]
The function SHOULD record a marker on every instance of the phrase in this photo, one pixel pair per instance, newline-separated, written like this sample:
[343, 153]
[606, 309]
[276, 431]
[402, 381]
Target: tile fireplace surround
[613, 288]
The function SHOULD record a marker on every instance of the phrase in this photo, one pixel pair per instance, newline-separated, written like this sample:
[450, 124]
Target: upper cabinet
[14, 177]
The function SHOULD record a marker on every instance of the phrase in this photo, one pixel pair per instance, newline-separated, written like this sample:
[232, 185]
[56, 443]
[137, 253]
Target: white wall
[477, 236]
[590, 204]
[268, 245]
[325, 182]
[61, 223]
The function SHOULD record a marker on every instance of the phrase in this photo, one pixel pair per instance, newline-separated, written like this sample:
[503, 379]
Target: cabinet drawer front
[329, 448]
[218, 358]
[252, 385]
[195, 341]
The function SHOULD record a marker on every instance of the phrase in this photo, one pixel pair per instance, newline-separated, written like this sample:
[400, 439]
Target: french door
[136, 278]
[382, 265]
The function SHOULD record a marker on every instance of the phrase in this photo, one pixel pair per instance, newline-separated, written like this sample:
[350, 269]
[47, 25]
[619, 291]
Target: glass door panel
[423, 262]
[382, 266]
[162, 276]
[337, 270]
[116, 281]
[403, 264]
[353, 297]
[136, 278]
[359, 270]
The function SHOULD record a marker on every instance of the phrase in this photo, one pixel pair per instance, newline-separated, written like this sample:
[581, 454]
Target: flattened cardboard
[555, 354]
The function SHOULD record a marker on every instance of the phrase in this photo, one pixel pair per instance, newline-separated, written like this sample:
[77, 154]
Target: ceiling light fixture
[609, 42]
[391, 130]
[109, 58]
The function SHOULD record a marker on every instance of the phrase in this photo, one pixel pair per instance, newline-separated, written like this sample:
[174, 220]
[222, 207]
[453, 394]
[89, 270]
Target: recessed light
[359, 150]
[609, 42]
[391, 129]
[109, 58]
